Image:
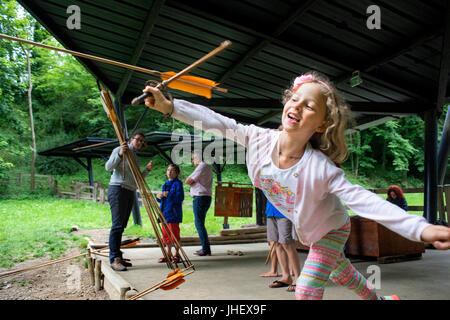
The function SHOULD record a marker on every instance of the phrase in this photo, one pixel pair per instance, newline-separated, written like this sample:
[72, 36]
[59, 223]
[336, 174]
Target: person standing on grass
[171, 200]
[201, 181]
[121, 193]
[296, 170]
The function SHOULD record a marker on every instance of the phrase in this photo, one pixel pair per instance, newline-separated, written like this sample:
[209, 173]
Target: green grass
[187, 228]
[32, 227]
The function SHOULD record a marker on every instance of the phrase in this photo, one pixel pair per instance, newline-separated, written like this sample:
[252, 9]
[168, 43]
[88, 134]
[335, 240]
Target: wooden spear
[186, 70]
[113, 62]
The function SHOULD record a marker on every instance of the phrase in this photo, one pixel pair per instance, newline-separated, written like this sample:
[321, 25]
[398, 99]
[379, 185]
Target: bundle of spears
[179, 81]
[148, 199]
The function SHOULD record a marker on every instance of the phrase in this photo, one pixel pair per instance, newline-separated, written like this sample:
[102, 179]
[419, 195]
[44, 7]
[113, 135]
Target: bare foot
[270, 274]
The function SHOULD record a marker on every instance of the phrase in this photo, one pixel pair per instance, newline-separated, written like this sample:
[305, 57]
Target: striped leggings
[325, 261]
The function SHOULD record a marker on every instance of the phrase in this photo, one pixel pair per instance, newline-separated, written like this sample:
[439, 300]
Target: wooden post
[94, 192]
[225, 223]
[102, 195]
[440, 200]
[55, 187]
[98, 274]
[77, 191]
[447, 201]
[90, 262]
[49, 181]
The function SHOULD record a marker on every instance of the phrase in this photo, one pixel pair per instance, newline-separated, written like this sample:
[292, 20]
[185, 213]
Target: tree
[26, 30]
[360, 152]
[394, 146]
[13, 126]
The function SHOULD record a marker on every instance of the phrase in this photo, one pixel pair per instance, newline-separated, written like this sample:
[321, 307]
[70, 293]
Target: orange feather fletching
[173, 272]
[172, 285]
[195, 85]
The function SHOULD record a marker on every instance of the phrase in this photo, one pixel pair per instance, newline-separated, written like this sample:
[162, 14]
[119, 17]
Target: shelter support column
[430, 191]
[444, 149]
[90, 172]
[136, 210]
[443, 98]
[218, 170]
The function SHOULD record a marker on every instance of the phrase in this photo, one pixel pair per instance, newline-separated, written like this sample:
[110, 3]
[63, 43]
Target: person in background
[395, 196]
[171, 200]
[279, 232]
[201, 181]
[121, 195]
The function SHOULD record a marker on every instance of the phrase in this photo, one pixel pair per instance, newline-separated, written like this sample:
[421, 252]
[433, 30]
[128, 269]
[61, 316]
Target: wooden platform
[370, 239]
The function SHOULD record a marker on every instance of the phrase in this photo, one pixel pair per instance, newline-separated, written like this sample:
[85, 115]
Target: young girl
[395, 196]
[295, 169]
[171, 199]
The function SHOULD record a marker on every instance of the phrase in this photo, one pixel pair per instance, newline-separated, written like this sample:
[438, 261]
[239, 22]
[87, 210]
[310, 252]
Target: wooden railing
[81, 191]
[40, 180]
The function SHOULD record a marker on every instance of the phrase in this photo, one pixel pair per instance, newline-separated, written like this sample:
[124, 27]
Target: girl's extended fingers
[441, 245]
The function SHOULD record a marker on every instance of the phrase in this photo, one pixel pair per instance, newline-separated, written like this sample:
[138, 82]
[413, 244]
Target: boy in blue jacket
[171, 199]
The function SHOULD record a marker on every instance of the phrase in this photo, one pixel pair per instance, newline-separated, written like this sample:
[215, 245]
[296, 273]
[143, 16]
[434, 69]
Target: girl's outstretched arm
[203, 118]
[438, 236]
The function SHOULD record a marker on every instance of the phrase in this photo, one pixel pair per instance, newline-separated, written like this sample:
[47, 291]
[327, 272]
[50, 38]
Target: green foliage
[56, 165]
[13, 120]
[359, 148]
[395, 146]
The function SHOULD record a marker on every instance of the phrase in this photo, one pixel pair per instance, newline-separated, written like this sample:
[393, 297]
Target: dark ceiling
[272, 42]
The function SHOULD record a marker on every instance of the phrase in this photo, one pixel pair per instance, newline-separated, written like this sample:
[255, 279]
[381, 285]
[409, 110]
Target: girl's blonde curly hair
[331, 142]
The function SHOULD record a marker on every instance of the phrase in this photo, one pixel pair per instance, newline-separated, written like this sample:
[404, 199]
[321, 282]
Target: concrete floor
[231, 277]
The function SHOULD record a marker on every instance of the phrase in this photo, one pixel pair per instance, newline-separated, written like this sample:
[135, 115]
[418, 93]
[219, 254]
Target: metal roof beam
[276, 105]
[300, 50]
[269, 104]
[399, 51]
[267, 117]
[368, 122]
[143, 38]
[294, 16]
[389, 108]
[445, 63]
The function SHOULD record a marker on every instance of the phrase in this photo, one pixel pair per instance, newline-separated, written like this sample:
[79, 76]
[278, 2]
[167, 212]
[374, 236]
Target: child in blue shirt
[171, 200]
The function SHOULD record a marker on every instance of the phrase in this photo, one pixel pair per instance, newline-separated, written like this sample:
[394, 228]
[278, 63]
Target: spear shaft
[186, 70]
[103, 60]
